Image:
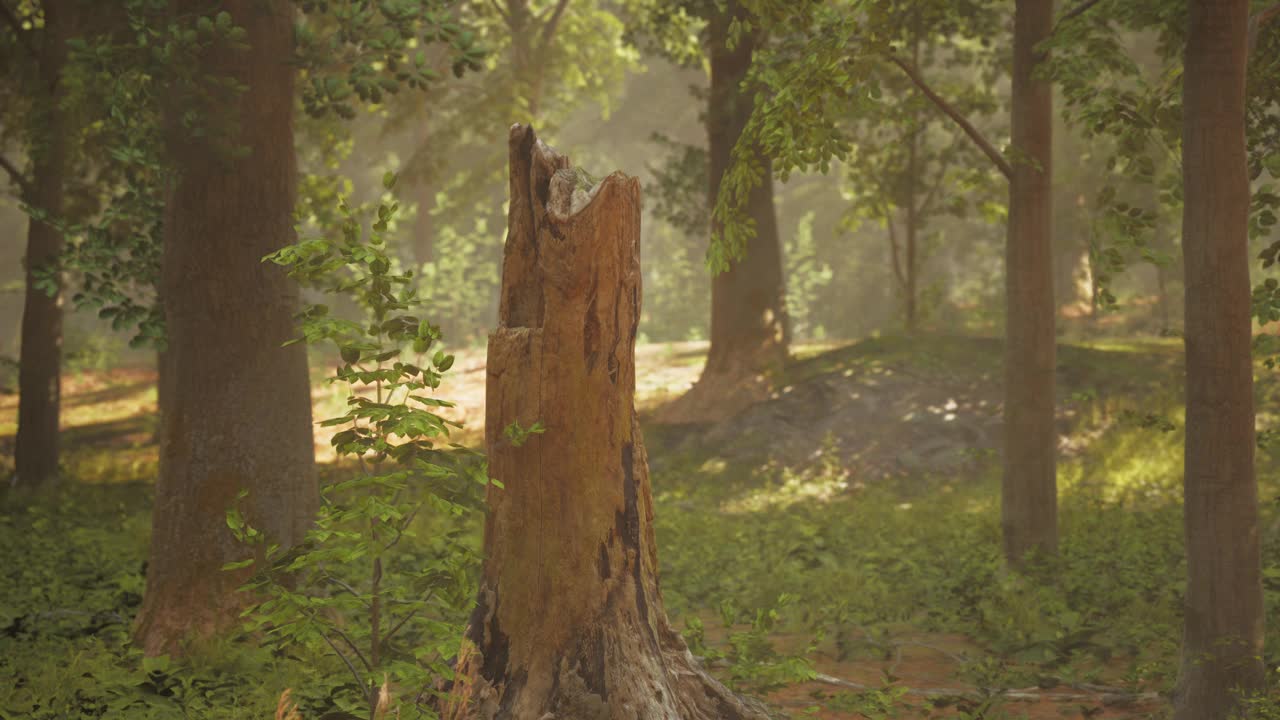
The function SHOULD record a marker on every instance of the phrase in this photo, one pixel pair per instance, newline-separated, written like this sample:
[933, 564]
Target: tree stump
[570, 623]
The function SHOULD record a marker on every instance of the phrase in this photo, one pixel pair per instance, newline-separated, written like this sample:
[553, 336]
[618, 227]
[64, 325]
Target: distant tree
[1222, 642]
[908, 169]
[36, 44]
[750, 332]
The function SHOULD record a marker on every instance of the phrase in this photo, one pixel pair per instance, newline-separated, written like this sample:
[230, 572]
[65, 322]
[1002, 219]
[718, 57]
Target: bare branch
[950, 111]
[24, 185]
[23, 37]
[549, 28]
[1075, 12]
[1260, 18]
[352, 668]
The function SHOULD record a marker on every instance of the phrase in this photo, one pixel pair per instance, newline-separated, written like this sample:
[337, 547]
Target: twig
[353, 647]
[352, 668]
[24, 185]
[342, 584]
[387, 638]
[950, 111]
[549, 29]
[1115, 697]
[1075, 12]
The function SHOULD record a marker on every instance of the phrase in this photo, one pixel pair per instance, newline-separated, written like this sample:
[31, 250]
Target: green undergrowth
[775, 573]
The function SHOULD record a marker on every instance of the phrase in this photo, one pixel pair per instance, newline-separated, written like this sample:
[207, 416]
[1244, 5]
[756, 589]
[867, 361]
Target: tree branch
[1260, 18]
[24, 185]
[352, 668]
[549, 28]
[1075, 12]
[501, 13]
[950, 111]
[25, 39]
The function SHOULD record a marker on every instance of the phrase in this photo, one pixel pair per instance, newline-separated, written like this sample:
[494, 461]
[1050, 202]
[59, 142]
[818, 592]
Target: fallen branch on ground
[1096, 693]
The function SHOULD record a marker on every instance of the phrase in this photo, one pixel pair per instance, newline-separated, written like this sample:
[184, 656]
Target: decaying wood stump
[570, 622]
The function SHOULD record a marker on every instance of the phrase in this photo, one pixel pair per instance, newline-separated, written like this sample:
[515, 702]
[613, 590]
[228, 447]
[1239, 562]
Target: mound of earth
[886, 410]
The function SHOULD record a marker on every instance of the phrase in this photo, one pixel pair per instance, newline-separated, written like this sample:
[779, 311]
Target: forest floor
[836, 548]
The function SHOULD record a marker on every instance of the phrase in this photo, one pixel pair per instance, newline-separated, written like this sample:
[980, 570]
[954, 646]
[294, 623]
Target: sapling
[390, 611]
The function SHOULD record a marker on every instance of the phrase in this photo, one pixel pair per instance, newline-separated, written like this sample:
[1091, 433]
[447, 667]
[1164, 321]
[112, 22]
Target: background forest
[955, 363]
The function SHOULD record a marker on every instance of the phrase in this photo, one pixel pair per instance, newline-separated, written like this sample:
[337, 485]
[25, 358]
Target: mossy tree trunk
[237, 408]
[570, 621]
[1223, 631]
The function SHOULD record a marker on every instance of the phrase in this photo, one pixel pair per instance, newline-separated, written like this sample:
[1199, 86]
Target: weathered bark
[40, 358]
[1029, 491]
[1223, 631]
[749, 327]
[570, 622]
[237, 413]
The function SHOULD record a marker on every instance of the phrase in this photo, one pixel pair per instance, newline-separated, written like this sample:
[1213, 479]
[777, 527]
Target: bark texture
[1029, 492]
[40, 358]
[749, 327]
[1222, 640]
[570, 622]
[237, 411]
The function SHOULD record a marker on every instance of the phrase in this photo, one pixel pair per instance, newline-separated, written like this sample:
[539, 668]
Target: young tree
[239, 412]
[1223, 632]
[570, 621]
[49, 139]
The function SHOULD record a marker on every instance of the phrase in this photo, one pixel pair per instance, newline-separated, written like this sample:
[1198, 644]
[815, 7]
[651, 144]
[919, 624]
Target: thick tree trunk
[1030, 496]
[749, 328]
[1222, 641]
[40, 359]
[237, 412]
[570, 623]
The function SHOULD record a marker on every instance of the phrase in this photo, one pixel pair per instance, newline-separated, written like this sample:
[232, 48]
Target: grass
[776, 572]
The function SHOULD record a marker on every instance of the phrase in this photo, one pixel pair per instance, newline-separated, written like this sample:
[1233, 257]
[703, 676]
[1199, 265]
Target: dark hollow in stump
[570, 623]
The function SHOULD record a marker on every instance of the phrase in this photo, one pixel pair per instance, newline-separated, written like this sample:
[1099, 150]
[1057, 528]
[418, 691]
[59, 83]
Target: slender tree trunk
[424, 231]
[913, 223]
[913, 185]
[1030, 496]
[237, 412]
[1222, 640]
[749, 327]
[570, 621]
[40, 358]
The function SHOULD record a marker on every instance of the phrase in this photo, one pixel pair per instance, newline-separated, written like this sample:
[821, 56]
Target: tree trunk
[1222, 640]
[749, 328]
[424, 231]
[1030, 496]
[570, 621]
[913, 223]
[237, 412]
[40, 358]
